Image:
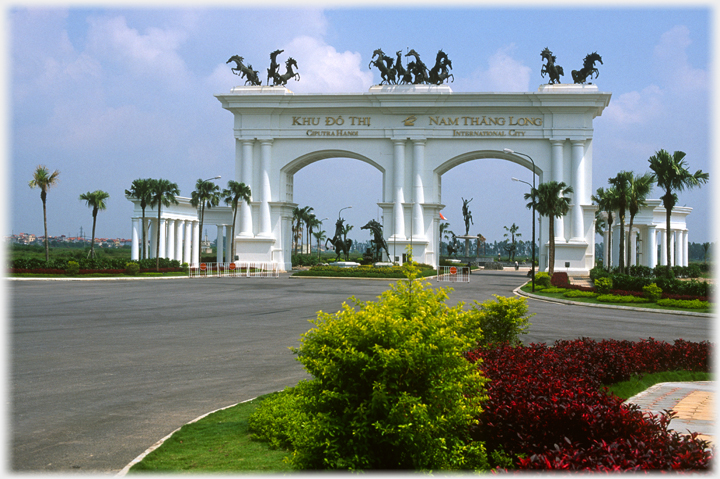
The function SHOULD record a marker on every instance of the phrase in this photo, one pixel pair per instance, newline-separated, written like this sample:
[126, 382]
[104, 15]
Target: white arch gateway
[412, 134]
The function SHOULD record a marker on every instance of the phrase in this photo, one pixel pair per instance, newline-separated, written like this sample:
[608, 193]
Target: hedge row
[86, 266]
[546, 407]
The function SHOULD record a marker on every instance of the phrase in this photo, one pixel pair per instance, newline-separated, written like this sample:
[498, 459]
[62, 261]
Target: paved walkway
[692, 401]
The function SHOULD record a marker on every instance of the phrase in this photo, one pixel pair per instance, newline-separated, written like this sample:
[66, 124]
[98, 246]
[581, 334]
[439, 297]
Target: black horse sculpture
[588, 68]
[378, 241]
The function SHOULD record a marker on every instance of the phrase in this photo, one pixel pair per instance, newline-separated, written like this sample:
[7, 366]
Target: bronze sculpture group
[251, 76]
[392, 72]
[579, 76]
[378, 242]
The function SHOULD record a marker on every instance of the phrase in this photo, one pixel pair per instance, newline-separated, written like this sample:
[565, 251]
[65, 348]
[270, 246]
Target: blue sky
[107, 95]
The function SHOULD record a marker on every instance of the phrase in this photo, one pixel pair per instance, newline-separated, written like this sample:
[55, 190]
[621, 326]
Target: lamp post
[532, 193]
[343, 209]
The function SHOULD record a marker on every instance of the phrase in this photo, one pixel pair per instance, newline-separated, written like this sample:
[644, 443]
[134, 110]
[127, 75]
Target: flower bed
[546, 408]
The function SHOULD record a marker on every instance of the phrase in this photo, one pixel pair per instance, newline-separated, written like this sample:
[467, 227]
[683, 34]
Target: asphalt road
[100, 370]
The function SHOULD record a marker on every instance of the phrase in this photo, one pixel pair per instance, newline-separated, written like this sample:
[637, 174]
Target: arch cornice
[302, 161]
[485, 154]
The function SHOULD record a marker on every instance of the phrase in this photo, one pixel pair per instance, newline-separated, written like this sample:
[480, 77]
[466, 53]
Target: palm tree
[345, 230]
[444, 228]
[297, 228]
[206, 194]
[319, 236]
[671, 174]
[513, 233]
[163, 192]
[140, 189]
[306, 216]
[97, 201]
[43, 179]
[621, 182]
[607, 202]
[312, 222]
[640, 187]
[232, 196]
[550, 199]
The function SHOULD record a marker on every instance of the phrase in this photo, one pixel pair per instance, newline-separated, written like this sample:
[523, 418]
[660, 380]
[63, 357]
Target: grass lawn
[221, 442]
[528, 289]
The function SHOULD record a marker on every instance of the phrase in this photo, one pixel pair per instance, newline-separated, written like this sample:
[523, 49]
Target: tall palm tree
[306, 214]
[297, 226]
[312, 222]
[97, 200]
[319, 236]
[606, 200]
[43, 179]
[206, 194]
[345, 230]
[444, 228]
[640, 187]
[140, 189]
[163, 193]
[621, 182]
[547, 200]
[671, 174]
[513, 232]
[233, 194]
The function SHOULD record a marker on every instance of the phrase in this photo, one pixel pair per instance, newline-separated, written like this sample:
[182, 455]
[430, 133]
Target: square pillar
[220, 238]
[171, 239]
[179, 227]
[134, 246]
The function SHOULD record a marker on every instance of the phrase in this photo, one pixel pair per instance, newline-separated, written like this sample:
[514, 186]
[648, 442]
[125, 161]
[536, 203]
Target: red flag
[442, 217]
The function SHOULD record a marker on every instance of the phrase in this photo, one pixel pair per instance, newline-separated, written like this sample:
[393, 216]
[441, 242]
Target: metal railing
[454, 274]
[239, 269]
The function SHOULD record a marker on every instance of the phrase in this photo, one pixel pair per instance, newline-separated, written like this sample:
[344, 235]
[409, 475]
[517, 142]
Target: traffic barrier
[252, 269]
[454, 274]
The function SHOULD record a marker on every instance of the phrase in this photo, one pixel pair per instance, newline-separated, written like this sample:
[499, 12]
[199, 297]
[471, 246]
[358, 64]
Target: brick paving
[692, 401]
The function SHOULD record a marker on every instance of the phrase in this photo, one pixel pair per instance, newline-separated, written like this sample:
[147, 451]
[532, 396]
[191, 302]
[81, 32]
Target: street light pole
[533, 194]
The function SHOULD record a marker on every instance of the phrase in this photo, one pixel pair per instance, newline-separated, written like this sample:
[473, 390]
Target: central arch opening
[477, 180]
[332, 184]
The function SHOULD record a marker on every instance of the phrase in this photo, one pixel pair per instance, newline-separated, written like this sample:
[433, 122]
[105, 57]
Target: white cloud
[504, 73]
[672, 61]
[323, 69]
[636, 107]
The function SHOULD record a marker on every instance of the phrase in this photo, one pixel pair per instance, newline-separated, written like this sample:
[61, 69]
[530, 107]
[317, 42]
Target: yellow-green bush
[543, 279]
[503, 319]
[652, 292]
[604, 284]
[390, 387]
[132, 268]
[73, 268]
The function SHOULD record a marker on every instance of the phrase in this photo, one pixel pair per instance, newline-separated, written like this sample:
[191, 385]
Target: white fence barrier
[454, 274]
[238, 269]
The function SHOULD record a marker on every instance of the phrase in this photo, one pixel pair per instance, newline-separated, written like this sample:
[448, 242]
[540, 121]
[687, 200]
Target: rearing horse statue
[588, 68]
[439, 73]
[554, 71]
[385, 64]
[251, 76]
[378, 241]
[417, 68]
[289, 73]
[340, 245]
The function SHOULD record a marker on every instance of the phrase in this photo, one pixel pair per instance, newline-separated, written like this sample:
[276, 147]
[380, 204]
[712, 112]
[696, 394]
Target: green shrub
[684, 303]
[652, 292]
[576, 293]
[543, 279]
[390, 386]
[132, 268]
[553, 289]
[73, 268]
[614, 298]
[503, 319]
[604, 284]
[185, 267]
[598, 272]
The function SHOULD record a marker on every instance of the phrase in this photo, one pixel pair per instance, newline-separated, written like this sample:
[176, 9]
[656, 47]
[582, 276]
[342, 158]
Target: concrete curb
[519, 292]
[126, 469]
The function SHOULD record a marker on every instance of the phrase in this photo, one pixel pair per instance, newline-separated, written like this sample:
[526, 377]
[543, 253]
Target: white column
[663, 248]
[171, 239]
[557, 175]
[187, 246]
[134, 246]
[633, 248]
[418, 230]
[651, 247]
[179, 227]
[162, 238]
[680, 248]
[265, 194]
[606, 248]
[220, 248]
[246, 229]
[153, 233]
[673, 250]
[578, 180]
[195, 243]
[398, 181]
[686, 247]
